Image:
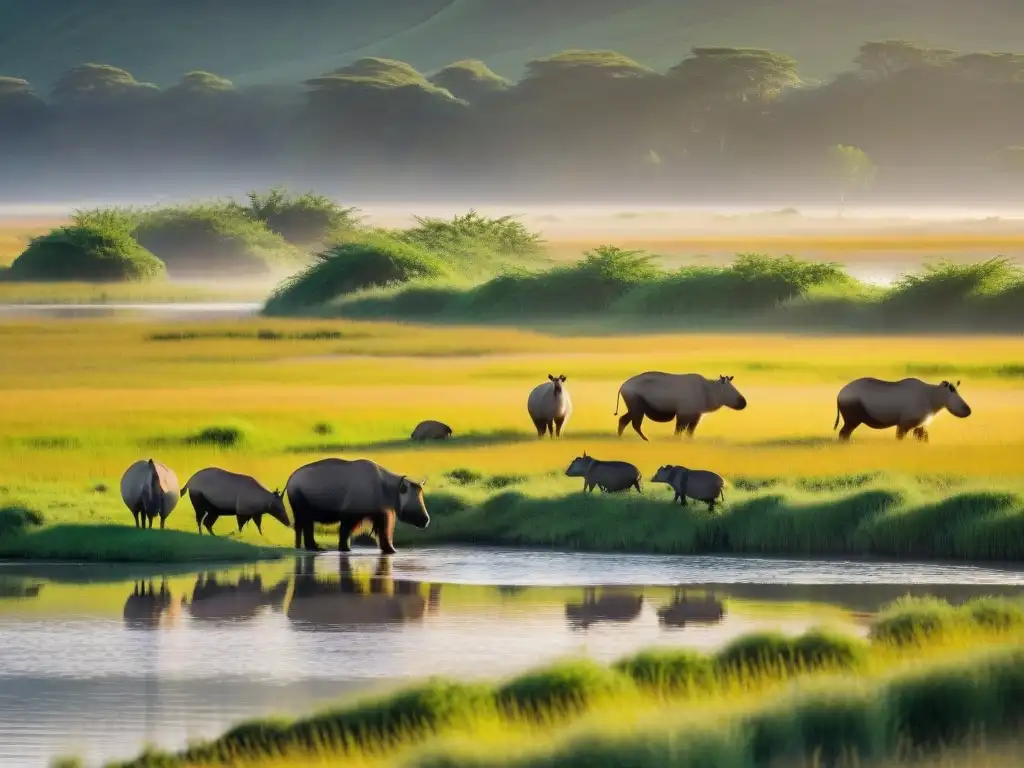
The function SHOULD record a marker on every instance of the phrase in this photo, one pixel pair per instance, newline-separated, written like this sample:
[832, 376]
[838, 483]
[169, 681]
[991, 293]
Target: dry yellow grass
[82, 399]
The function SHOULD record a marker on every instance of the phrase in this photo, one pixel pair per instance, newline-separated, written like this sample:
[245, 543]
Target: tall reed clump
[305, 220]
[914, 620]
[376, 260]
[504, 235]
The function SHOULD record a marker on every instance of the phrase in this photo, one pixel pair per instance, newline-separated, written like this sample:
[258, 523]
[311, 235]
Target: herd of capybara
[352, 493]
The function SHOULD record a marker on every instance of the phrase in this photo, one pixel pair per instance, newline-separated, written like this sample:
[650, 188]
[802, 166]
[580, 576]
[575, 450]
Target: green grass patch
[913, 620]
[119, 543]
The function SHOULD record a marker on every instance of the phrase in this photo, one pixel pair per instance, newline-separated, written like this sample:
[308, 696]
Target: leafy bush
[668, 670]
[93, 252]
[16, 519]
[503, 235]
[225, 436]
[349, 267]
[213, 239]
[307, 219]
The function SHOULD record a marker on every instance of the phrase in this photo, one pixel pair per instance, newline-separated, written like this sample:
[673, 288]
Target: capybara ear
[423, 481]
[958, 382]
[550, 377]
[731, 378]
[562, 377]
[944, 383]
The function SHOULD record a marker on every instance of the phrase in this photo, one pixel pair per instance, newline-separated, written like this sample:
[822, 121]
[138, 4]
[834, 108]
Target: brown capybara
[351, 493]
[907, 404]
[149, 489]
[217, 493]
[697, 484]
[609, 476]
[431, 430]
[550, 406]
[684, 397]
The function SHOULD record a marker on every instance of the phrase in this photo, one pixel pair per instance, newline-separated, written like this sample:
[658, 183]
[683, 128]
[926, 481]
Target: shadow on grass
[123, 544]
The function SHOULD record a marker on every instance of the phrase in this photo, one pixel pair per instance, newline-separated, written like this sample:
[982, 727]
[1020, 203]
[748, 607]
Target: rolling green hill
[271, 41]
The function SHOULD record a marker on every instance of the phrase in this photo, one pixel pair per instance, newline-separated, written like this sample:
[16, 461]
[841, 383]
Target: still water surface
[99, 660]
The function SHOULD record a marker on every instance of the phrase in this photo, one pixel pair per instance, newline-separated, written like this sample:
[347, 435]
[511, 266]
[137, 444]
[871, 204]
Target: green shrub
[16, 519]
[350, 267]
[304, 220]
[92, 252]
[214, 240]
[503, 235]
[774, 652]
[909, 620]
[225, 436]
[560, 689]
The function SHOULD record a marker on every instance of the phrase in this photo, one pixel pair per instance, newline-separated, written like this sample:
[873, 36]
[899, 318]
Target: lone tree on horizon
[853, 169]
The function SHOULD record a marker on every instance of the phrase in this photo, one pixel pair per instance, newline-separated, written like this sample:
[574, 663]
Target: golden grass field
[83, 399]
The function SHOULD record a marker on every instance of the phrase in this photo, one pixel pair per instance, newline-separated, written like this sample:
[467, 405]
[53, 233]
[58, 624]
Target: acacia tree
[883, 58]
[715, 81]
[852, 169]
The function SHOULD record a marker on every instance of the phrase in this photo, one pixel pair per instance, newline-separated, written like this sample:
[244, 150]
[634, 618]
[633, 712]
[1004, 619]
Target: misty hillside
[271, 41]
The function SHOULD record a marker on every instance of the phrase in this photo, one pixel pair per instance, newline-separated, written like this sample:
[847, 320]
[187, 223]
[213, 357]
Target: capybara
[609, 476]
[907, 404]
[217, 493]
[697, 484]
[431, 430]
[149, 489]
[350, 493]
[684, 397]
[550, 406]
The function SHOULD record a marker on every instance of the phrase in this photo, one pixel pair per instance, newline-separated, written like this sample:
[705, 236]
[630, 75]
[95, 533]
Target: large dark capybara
[609, 476]
[613, 605]
[217, 493]
[908, 404]
[431, 430]
[352, 493]
[149, 489]
[684, 397]
[697, 484]
[549, 406]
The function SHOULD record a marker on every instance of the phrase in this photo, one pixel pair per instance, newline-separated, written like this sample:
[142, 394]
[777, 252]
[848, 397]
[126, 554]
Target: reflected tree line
[721, 115]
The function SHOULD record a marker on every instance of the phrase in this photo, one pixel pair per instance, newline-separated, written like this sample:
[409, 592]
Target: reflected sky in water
[99, 660]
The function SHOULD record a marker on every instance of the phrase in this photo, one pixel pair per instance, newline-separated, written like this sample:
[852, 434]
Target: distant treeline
[594, 122]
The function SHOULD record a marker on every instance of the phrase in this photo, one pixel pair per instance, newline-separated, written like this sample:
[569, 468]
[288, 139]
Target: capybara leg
[847, 430]
[550, 426]
[135, 514]
[692, 426]
[638, 420]
[636, 484]
[921, 434]
[901, 432]
[307, 534]
[540, 426]
[163, 520]
[681, 424]
[711, 506]
[298, 535]
[345, 535]
[624, 421]
[682, 500]
[558, 427]
[208, 521]
[385, 531]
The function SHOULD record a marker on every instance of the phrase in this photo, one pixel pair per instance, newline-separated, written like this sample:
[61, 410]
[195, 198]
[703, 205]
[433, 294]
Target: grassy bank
[558, 707]
[84, 400]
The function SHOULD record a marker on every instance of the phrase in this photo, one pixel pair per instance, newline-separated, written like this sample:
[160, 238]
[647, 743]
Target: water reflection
[322, 603]
[685, 609]
[217, 599]
[103, 659]
[150, 608]
[613, 606]
[15, 588]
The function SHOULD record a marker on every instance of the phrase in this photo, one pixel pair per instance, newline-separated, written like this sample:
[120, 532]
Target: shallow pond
[98, 660]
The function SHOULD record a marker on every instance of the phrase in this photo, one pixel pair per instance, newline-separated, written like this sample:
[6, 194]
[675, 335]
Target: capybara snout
[741, 403]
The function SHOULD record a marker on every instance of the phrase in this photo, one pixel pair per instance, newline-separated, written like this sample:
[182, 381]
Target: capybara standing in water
[217, 493]
[907, 404]
[351, 493]
[550, 406]
[431, 430]
[684, 397]
[697, 484]
[149, 489]
[609, 476]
